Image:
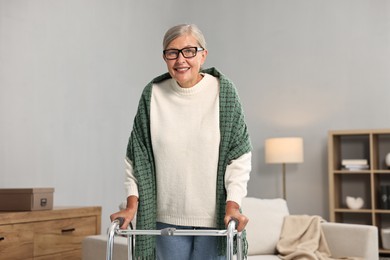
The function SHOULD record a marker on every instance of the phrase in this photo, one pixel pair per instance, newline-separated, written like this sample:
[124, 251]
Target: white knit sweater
[184, 125]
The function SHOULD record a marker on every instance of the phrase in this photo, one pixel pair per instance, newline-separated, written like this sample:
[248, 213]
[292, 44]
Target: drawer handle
[68, 230]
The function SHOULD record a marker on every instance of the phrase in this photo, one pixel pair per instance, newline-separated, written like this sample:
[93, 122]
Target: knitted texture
[234, 143]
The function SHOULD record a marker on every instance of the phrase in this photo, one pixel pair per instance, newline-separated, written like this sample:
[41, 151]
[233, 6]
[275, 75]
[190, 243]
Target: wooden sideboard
[47, 234]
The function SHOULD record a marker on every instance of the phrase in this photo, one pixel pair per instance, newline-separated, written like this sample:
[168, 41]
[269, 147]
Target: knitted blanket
[302, 239]
[234, 143]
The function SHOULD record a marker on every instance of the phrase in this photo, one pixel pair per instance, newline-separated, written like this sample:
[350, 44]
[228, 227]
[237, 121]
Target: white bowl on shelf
[385, 233]
[354, 203]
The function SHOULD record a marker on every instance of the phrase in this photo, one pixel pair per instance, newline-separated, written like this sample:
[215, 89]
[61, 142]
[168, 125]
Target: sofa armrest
[352, 240]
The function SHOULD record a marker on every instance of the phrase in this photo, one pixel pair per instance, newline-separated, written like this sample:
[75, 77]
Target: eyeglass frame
[181, 51]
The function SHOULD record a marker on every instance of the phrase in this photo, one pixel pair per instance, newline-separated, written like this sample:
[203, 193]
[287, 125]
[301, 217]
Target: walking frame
[130, 233]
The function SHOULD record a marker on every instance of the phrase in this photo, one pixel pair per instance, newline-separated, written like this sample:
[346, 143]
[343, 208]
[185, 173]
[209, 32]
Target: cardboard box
[26, 199]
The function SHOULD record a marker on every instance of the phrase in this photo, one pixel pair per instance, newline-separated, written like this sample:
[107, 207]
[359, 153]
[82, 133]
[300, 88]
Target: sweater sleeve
[237, 177]
[131, 184]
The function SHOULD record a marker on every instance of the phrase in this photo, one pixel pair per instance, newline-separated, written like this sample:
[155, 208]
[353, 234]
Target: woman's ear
[204, 55]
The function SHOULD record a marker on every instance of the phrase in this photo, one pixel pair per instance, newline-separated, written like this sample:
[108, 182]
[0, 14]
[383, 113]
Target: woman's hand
[128, 213]
[233, 212]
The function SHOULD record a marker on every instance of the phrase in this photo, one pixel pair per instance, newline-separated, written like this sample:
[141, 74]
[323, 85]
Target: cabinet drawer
[16, 241]
[57, 236]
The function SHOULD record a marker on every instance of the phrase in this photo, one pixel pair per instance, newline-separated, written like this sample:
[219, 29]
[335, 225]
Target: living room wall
[71, 73]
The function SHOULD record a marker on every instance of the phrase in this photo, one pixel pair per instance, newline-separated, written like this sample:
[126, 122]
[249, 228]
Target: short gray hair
[183, 29]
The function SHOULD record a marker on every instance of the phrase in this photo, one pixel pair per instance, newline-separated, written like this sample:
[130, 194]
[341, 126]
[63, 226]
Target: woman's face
[185, 70]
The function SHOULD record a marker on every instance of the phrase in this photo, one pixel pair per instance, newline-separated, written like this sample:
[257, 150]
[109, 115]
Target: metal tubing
[130, 244]
[176, 232]
[110, 242]
[230, 232]
[229, 241]
[239, 246]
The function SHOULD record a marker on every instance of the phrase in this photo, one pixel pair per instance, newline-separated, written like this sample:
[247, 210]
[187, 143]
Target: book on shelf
[354, 162]
[355, 167]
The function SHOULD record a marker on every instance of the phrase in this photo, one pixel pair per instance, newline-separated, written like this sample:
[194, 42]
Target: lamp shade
[284, 150]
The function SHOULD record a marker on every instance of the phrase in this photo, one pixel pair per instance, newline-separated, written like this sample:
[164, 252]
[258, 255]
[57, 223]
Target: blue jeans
[186, 247]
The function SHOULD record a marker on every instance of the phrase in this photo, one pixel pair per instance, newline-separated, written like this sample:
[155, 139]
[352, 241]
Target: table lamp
[284, 150]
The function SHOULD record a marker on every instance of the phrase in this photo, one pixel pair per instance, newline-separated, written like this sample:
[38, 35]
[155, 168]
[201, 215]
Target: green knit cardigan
[234, 143]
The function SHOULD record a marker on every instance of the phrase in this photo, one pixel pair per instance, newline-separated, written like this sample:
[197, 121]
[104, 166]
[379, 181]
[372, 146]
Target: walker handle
[120, 221]
[235, 221]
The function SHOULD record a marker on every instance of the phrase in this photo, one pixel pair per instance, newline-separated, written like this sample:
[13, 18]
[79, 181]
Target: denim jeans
[186, 247]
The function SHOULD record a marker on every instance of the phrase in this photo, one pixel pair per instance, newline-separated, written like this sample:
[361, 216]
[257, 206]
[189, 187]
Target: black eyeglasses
[187, 52]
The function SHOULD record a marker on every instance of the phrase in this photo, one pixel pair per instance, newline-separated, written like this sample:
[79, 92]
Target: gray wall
[71, 73]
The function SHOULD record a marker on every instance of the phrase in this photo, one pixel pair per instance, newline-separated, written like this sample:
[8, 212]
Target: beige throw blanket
[302, 239]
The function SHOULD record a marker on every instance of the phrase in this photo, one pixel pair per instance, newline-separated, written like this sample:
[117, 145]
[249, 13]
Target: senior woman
[189, 154]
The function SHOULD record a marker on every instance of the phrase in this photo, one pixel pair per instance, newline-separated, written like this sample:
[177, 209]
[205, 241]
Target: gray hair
[183, 29]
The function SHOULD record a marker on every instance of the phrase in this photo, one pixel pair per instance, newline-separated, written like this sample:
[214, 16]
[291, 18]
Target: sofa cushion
[265, 223]
[94, 247]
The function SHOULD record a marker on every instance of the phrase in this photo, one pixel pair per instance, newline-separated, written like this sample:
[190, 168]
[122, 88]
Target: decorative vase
[387, 160]
[354, 203]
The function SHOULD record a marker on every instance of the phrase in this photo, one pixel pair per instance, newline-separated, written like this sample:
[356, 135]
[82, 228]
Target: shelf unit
[371, 145]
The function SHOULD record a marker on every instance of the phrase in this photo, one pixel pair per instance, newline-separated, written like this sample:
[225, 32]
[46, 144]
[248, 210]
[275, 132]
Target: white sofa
[265, 225]
[263, 230]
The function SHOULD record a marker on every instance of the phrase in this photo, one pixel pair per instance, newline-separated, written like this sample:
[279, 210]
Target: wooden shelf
[371, 145]
[353, 210]
[351, 172]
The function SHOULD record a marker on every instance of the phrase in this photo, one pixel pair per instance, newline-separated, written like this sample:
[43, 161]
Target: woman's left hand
[233, 212]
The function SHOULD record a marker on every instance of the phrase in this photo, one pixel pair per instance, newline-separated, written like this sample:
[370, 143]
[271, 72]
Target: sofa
[266, 218]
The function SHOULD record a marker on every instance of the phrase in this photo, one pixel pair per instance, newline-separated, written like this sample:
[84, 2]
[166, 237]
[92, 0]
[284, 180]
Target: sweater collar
[198, 87]
[212, 71]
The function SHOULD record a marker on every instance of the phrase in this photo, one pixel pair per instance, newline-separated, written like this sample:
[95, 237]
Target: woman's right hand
[128, 213]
